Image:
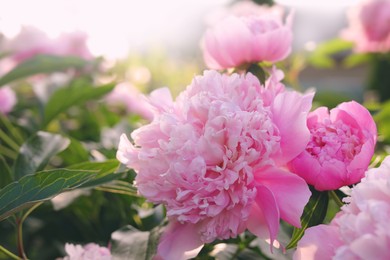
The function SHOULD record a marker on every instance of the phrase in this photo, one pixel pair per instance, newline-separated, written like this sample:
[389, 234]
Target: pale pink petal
[290, 111]
[318, 243]
[267, 204]
[179, 241]
[290, 192]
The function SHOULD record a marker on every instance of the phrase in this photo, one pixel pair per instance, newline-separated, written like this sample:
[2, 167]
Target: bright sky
[115, 26]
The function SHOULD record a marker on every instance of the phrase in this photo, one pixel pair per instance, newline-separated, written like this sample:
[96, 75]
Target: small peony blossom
[90, 251]
[369, 26]
[7, 99]
[361, 230]
[31, 41]
[341, 146]
[129, 96]
[215, 158]
[238, 40]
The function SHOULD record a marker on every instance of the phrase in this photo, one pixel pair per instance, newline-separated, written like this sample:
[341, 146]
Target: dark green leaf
[106, 172]
[75, 94]
[258, 71]
[36, 152]
[313, 214]
[38, 187]
[75, 153]
[5, 173]
[42, 64]
[130, 243]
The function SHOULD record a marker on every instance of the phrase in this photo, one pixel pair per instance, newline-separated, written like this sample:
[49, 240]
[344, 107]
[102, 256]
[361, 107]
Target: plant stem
[336, 198]
[19, 223]
[9, 254]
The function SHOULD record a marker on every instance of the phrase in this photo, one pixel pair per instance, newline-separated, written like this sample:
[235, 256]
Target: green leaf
[5, 172]
[382, 119]
[313, 214]
[120, 187]
[321, 57]
[38, 187]
[356, 59]
[258, 71]
[36, 152]
[130, 243]
[106, 172]
[75, 94]
[42, 64]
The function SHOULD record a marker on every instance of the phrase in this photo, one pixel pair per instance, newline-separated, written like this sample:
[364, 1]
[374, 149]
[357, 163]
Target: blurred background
[173, 28]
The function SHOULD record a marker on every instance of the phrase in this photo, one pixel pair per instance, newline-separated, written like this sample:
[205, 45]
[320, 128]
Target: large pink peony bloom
[213, 158]
[7, 99]
[361, 230]
[237, 40]
[340, 149]
[369, 26]
[88, 252]
[32, 41]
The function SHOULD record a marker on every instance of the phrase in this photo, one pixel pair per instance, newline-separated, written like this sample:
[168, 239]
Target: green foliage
[42, 64]
[76, 94]
[322, 56]
[313, 214]
[38, 187]
[36, 152]
[130, 243]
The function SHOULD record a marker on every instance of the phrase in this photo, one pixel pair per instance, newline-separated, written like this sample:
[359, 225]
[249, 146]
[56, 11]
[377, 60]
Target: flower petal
[267, 211]
[289, 190]
[179, 241]
[319, 243]
[290, 111]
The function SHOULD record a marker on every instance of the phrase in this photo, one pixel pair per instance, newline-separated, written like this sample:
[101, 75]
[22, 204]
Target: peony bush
[239, 164]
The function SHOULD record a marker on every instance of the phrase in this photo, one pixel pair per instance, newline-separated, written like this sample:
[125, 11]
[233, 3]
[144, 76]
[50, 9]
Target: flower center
[334, 140]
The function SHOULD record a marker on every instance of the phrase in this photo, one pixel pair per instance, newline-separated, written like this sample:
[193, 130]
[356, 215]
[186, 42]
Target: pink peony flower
[129, 96]
[32, 41]
[214, 158]
[340, 149]
[235, 41]
[369, 26]
[90, 251]
[7, 99]
[361, 230]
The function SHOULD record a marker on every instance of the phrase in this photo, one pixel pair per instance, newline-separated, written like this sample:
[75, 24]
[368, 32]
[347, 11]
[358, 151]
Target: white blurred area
[116, 26]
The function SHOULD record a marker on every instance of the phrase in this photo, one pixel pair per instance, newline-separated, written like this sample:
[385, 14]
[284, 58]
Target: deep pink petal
[290, 111]
[358, 112]
[179, 241]
[290, 191]
[306, 166]
[318, 243]
[333, 175]
[360, 163]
